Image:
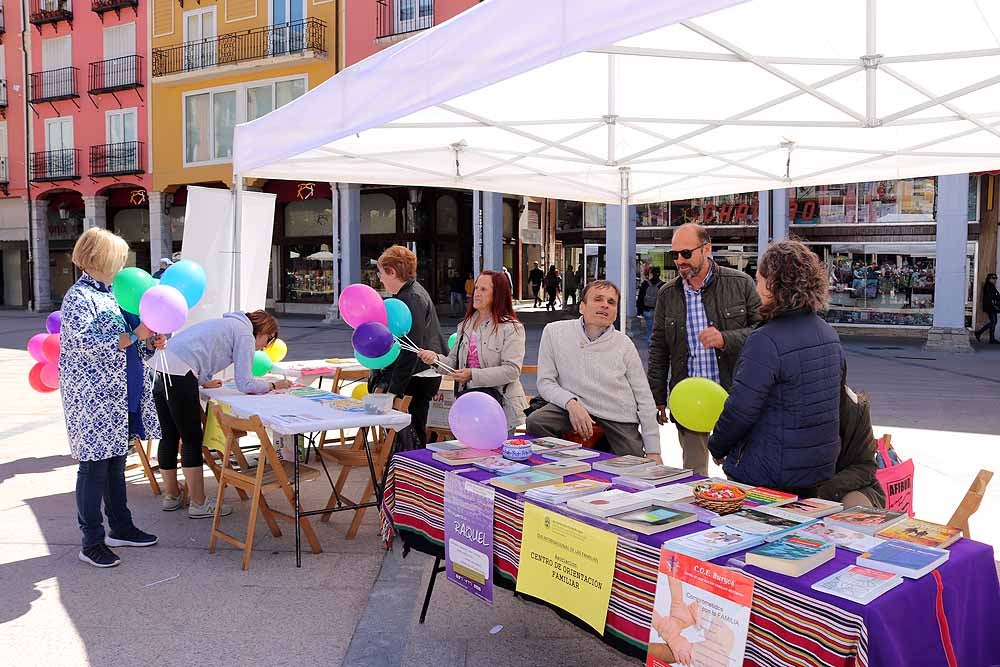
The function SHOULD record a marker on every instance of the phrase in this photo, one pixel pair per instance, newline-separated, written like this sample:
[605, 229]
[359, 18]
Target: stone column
[95, 212]
[763, 221]
[779, 214]
[614, 237]
[40, 255]
[350, 233]
[332, 315]
[952, 236]
[161, 241]
[492, 231]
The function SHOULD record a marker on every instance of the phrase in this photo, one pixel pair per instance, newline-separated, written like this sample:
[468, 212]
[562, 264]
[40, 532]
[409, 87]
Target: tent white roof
[640, 101]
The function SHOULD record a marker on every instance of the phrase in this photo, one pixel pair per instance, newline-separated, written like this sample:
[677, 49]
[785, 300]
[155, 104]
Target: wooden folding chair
[970, 503]
[214, 444]
[144, 452]
[271, 474]
[341, 377]
[354, 457]
[527, 369]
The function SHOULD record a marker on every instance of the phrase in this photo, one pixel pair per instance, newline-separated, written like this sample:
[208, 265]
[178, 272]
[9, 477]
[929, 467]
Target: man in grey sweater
[591, 373]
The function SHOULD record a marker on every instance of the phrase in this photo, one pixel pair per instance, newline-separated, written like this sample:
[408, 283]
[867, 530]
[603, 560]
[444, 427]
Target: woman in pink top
[490, 348]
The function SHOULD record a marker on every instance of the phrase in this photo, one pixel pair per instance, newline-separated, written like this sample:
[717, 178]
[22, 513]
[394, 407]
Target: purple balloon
[53, 323]
[359, 304]
[478, 421]
[163, 309]
[35, 347]
[372, 339]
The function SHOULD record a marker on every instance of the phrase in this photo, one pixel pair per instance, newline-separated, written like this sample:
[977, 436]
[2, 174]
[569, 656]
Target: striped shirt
[701, 360]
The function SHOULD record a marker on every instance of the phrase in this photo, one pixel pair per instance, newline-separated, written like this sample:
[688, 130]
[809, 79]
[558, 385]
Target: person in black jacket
[397, 269]
[854, 483]
[535, 278]
[645, 301]
[991, 306]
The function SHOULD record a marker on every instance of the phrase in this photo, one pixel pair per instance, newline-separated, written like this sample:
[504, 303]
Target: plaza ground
[356, 604]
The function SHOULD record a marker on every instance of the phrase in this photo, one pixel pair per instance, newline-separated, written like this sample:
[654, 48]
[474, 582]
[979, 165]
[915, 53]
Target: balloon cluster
[44, 349]
[163, 306]
[377, 324]
[264, 360]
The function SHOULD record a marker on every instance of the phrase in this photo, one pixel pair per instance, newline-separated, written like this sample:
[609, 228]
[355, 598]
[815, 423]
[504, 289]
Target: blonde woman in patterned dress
[106, 396]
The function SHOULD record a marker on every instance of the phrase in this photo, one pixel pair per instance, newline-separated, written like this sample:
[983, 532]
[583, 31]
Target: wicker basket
[727, 506]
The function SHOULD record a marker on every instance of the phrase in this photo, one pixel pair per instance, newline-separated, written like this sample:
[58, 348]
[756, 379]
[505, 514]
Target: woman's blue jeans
[97, 481]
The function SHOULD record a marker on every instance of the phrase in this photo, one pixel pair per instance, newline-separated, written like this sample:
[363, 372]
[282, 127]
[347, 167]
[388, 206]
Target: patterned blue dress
[92, 374]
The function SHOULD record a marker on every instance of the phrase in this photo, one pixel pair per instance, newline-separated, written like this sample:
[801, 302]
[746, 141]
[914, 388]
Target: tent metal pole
[624, 272]
[237, 219]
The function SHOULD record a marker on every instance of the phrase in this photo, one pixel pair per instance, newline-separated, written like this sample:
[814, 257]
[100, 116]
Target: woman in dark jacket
[780, 427]
[553, 284]
[854, 482]
[991, 306]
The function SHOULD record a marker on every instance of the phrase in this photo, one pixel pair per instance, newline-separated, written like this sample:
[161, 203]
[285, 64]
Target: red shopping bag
[895, 476]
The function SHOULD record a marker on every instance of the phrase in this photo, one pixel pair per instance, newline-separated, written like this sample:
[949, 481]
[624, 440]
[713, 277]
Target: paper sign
[567, 563]
[437, 415]
[468, 535]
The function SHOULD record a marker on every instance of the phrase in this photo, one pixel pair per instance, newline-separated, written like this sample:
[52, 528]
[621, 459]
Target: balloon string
[410, 347]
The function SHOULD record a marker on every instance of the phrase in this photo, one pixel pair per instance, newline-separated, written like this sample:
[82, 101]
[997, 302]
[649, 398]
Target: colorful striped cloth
[787, 627]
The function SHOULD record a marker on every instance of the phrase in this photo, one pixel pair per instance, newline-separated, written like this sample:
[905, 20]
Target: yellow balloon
[276, 351]
[360, 391]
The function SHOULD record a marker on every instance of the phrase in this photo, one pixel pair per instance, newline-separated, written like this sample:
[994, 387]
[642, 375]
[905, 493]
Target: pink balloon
[50, 375]
[163, 309]
[35, 347]
[360, 304]
[478, 421]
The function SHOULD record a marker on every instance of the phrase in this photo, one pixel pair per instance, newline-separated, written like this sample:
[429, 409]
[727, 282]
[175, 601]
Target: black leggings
[180, 421]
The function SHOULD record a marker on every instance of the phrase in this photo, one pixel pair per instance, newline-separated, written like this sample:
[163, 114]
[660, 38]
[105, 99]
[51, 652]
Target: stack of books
[608, 503]
[555, 494]
[792, 555]
[667, 495]
[765, 496]
[498, 465]
[571, 454]
[542, 445]
[865, 520]
[921, 532]
[565, 467]
[713, 543]
[654, 475]
[842, 537]
[769, 522]
[624, 465]
[858, 584]
[904, 558]
[816, 508]
[445, 446]
[460, 457]
[652, 519]
[519, 482]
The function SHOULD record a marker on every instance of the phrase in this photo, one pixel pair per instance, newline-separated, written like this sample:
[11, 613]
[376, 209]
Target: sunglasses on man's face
[686, 254]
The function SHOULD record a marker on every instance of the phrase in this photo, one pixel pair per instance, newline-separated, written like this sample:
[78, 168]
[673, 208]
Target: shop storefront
[14, 280]
[128, 216]
[64, 221]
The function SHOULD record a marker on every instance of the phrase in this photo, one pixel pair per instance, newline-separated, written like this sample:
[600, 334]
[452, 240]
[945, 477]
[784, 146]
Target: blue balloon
[379, 362]
[188, 278]
[372, 340]
[400, 319]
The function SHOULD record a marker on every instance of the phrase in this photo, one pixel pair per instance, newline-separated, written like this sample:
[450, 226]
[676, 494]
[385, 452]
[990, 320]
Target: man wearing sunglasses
[701, 320]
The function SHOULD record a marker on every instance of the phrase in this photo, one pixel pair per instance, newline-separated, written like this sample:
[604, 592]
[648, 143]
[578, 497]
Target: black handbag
[492, 392]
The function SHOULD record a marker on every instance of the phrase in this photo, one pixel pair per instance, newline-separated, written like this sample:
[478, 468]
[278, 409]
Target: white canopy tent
[632, 101]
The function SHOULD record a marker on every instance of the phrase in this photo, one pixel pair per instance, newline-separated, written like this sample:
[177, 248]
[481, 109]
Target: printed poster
[468, 535]
[437, 415]
[701, 614]
[567, 563]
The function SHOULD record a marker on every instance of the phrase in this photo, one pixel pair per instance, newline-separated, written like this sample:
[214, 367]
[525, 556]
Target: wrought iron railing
[55, 165]
[258, 43]
[53, 84]
[101, 6]
[398, 17]
[122, 73]
[50, 11]
[117, 159]
[3, 93]
[3, 24]
[4, 178]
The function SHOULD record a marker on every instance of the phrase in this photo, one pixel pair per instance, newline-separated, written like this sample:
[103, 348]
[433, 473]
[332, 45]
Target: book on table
[446, 446]
[921, 532]
[713, 542]
[520, 482]
[704, 514]
[602, 505]
[905, 558]
[463, 456]
[569, 467]
[708, 481]
[652, 519]
[654, 475]
[561, 492]
[766, 496]
[624, 465]
[792, 555]
[669, 493]
[770, 522]
[549, 444]
[812, 507]
[570, 454]
[858, 584]
[498, 465]
[842, 537]
[867, 520]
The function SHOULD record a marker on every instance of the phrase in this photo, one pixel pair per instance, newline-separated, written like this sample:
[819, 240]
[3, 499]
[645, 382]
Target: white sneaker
[170, 503]
[207, 510]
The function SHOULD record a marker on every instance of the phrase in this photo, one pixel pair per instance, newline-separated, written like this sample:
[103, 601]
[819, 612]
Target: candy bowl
[719, 498]
[517, 449]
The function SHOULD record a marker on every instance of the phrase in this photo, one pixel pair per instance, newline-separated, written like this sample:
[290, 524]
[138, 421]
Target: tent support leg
[624, 266]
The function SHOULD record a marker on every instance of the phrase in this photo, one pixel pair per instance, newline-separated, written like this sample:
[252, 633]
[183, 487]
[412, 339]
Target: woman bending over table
[105, 394]
[192, 357]
[490, 348]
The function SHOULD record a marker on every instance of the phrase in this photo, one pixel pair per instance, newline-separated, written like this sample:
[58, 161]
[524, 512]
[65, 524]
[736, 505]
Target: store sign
[306, 191]
[531, 236]
[138, 198]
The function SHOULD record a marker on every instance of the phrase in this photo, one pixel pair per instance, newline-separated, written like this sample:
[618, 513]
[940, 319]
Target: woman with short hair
[106, 394]
[490, 348]
[191, 359]
[780, 426]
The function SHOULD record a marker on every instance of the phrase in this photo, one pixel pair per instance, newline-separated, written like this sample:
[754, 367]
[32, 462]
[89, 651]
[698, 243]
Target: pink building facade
[373, 25]
[85, 159]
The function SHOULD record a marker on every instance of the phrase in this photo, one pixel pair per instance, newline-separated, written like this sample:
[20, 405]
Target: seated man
[590, 372]
[854, 482]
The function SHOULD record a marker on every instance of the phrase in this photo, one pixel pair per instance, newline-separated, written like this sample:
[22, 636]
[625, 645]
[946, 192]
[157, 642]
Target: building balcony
[53, 85]
[289, 39]
[62, 165]
[4, 177]
[50, 11]
[108, 76]
[101, 7]
[3, 24]
[401, 17]
[3, 97]
[121, 159]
